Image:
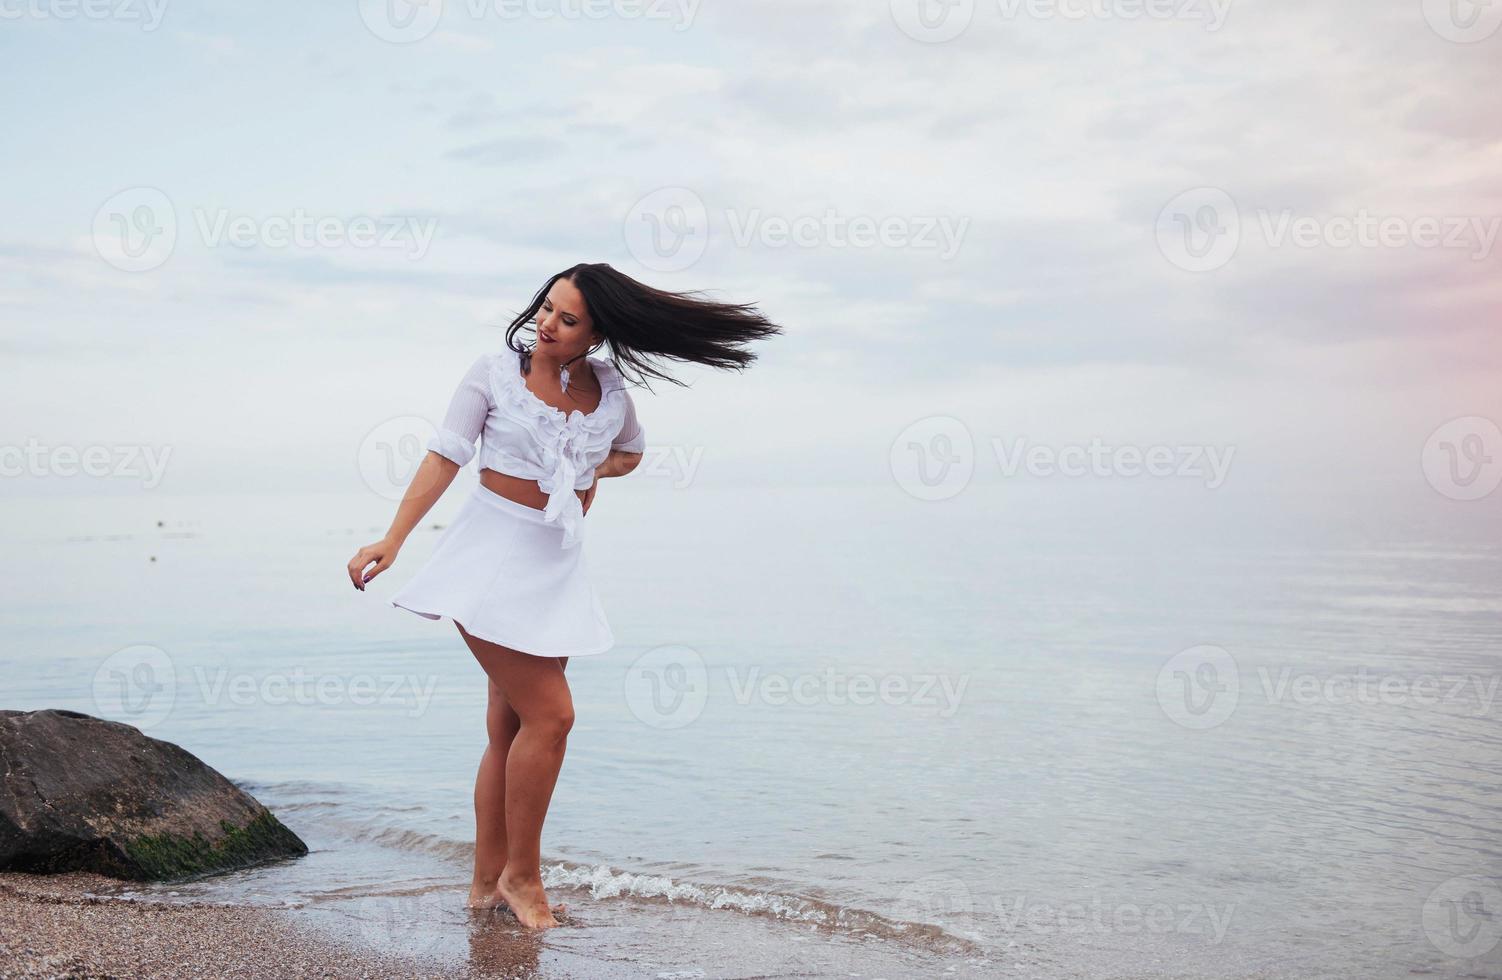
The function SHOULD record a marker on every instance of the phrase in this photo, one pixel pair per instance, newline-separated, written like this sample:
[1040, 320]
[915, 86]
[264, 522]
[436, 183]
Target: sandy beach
[82, 925]
[70, 926]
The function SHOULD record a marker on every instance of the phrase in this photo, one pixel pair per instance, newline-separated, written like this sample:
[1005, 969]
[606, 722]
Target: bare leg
[501, 724]
[538, 693]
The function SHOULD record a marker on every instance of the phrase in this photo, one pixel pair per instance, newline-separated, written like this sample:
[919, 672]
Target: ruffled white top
[522, 435]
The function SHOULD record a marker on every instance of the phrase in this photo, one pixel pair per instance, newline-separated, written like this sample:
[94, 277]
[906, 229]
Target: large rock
[83, 794]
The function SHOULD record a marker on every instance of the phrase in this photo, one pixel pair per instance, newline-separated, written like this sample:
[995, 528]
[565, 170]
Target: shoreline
[68, 925]
[86, 925]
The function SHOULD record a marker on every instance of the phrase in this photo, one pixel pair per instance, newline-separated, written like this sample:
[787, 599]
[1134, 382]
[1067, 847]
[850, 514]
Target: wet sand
[86, 926]
[65, 926]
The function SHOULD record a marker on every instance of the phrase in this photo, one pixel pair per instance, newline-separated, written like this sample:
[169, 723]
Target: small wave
[401, 839]
[293, 788]
[309, 805]
[349, 823]
[603, 881]
[385, 891]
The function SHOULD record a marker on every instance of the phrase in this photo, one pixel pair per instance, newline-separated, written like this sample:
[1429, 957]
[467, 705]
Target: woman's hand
[433, 476]
[382, 554]
[589, 495]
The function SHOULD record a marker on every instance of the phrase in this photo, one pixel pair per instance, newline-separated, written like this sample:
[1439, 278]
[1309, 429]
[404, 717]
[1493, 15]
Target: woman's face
[564, 329]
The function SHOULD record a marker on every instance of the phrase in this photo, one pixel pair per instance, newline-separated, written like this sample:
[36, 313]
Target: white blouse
[522, 435]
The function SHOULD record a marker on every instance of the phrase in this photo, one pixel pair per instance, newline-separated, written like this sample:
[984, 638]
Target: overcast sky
[1266, 224]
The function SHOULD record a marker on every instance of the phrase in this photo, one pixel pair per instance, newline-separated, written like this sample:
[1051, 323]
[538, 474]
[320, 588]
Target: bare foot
[495, 901]
[481, 898]
[528, 902]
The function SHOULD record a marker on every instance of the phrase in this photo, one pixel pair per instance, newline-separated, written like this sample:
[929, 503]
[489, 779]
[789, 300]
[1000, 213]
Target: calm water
[1036, 730]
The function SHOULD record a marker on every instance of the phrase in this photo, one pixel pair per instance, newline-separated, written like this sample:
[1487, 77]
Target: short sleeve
[630, 439]
[466, 415]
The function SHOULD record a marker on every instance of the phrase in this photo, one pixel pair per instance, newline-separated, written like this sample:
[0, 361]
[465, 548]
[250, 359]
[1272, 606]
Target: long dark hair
[639, 321]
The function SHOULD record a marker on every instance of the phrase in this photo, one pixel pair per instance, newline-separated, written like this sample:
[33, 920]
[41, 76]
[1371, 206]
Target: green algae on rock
[79, 793]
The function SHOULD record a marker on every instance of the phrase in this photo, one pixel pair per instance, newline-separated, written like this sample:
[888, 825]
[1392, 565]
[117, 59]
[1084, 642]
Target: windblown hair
[638, 321]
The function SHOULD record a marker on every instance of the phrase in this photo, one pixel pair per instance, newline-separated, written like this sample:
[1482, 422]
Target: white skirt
[503, 574]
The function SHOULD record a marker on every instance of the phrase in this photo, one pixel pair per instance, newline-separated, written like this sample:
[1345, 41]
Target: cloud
[1056, 144]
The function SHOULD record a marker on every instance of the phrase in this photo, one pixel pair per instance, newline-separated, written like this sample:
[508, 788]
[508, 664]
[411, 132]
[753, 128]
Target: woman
[509, 572]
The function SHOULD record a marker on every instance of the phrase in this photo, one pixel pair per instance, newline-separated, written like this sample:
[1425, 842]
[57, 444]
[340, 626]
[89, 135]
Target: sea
[1044, 729]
